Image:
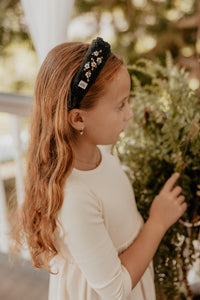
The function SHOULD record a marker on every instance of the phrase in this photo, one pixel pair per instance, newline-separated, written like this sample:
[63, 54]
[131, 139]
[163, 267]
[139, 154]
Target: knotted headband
[92, 64]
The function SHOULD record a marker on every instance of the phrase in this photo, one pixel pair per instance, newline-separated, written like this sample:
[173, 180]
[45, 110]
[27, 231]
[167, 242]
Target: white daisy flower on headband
[87, 65]
[96, 53]
[99, 60]
[93, 64]
[88, 75]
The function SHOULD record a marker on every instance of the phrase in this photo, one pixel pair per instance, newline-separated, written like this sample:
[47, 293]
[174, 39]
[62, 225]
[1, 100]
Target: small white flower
[88, 74]
[99, 60]
[93, 64]
[87, 65]
[96, 53]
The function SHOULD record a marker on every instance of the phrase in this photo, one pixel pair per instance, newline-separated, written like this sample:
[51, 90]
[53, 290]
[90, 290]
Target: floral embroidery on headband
[88, 74]
[87, 65]
[93, 64]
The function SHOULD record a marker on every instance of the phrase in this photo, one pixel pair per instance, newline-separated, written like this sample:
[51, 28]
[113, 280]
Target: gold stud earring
[81, 132]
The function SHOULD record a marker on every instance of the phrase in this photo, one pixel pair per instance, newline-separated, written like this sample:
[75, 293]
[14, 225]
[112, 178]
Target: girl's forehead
[116, 89]
[120, 82]
[122, 72]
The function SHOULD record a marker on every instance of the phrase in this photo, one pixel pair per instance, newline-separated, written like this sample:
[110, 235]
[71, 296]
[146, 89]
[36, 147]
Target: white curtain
[48, 21]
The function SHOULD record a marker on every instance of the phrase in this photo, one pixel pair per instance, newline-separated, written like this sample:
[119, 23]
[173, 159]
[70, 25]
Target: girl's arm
[166, 209]
[90, 246]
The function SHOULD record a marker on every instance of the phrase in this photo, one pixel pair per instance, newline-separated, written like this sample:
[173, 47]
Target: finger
[184, 206]
[170, 182]
[176, 191]
[181, 199]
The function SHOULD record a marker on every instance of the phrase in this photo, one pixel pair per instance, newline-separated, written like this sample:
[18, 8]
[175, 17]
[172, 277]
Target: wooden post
[15, 130]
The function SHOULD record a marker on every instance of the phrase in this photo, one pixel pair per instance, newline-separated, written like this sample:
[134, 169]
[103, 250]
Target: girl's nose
[129, 113]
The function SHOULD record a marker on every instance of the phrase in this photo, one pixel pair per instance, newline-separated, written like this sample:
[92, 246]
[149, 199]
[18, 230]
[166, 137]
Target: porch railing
[17, 106]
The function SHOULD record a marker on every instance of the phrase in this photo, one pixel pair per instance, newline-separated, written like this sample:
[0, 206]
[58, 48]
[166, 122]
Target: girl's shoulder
[79, 198]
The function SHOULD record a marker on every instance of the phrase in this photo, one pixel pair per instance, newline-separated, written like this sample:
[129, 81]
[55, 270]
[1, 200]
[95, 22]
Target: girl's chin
[113, 140]
[109, 143]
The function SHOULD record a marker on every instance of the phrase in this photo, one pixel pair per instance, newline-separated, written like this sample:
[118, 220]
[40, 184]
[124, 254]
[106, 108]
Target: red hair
[50, 155]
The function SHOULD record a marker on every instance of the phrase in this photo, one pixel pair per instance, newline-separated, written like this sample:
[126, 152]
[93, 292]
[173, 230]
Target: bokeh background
[136, 29]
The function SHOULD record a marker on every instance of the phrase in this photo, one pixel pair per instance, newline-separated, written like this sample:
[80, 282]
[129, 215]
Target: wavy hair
[50, 156]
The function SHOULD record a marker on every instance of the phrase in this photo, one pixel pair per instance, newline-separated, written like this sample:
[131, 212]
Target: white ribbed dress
[100, 220]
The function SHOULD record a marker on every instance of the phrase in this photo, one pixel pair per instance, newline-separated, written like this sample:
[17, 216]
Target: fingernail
[177, 174]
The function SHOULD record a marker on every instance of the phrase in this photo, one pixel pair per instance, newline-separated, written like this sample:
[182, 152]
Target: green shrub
[164, 137]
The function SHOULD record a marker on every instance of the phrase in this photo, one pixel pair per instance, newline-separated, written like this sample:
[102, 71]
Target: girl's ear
[76, 120]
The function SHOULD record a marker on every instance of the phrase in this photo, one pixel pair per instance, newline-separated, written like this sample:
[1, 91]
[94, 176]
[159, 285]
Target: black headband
[92, 64]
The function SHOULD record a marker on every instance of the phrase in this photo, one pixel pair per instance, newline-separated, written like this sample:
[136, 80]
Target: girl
[79, 214]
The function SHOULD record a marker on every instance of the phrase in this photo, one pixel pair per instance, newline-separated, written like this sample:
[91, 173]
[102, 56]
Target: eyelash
[122, 105]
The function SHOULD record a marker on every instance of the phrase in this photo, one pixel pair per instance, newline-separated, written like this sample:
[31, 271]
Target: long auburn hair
[50, 156]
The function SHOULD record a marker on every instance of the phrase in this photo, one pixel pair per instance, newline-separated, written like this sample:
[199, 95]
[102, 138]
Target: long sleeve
[91, 246]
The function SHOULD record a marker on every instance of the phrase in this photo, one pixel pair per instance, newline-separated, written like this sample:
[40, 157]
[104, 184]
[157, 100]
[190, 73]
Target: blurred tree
[12, 25]
[148, 28]
[164, 137]
[144, 28]
[16, 50]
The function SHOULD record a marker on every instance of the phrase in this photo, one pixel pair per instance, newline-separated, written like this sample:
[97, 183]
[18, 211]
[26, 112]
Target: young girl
[79, 214]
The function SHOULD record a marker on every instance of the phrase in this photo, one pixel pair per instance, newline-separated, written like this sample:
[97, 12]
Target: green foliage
[164, 137]
[134, 22]
[12, 24]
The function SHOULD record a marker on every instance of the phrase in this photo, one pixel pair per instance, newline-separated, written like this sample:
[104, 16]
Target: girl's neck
[87, 157]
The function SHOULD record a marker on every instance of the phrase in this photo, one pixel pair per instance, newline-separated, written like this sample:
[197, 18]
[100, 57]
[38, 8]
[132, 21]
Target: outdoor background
[136, 29]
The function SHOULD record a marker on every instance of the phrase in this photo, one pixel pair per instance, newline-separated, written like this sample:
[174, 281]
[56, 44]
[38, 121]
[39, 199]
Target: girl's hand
[168, 206]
